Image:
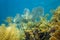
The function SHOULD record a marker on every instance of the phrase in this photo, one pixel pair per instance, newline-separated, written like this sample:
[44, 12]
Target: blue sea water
[12, 7]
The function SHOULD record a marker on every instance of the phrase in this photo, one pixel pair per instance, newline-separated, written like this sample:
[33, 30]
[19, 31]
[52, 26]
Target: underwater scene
[30, 20]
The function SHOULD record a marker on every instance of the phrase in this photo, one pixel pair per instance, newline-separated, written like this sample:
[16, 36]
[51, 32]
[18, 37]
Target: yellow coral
[10, 33]
[2, 31]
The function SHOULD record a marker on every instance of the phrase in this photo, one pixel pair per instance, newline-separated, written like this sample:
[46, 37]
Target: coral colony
[32, 26]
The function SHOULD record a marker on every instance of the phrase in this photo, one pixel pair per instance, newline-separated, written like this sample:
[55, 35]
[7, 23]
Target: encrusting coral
[32, 27]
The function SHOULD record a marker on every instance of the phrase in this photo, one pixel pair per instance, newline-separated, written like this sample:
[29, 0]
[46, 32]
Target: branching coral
[10, 33]
[56, 20]
[32, 26]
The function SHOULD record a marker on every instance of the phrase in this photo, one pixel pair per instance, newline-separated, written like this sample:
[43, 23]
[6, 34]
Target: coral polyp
[32, 26]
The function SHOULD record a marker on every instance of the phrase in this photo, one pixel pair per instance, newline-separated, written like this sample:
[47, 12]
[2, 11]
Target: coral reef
[9, 33]
[32, 26]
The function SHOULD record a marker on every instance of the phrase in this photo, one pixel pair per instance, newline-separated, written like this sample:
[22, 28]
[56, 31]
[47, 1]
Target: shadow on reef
[32, 26]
